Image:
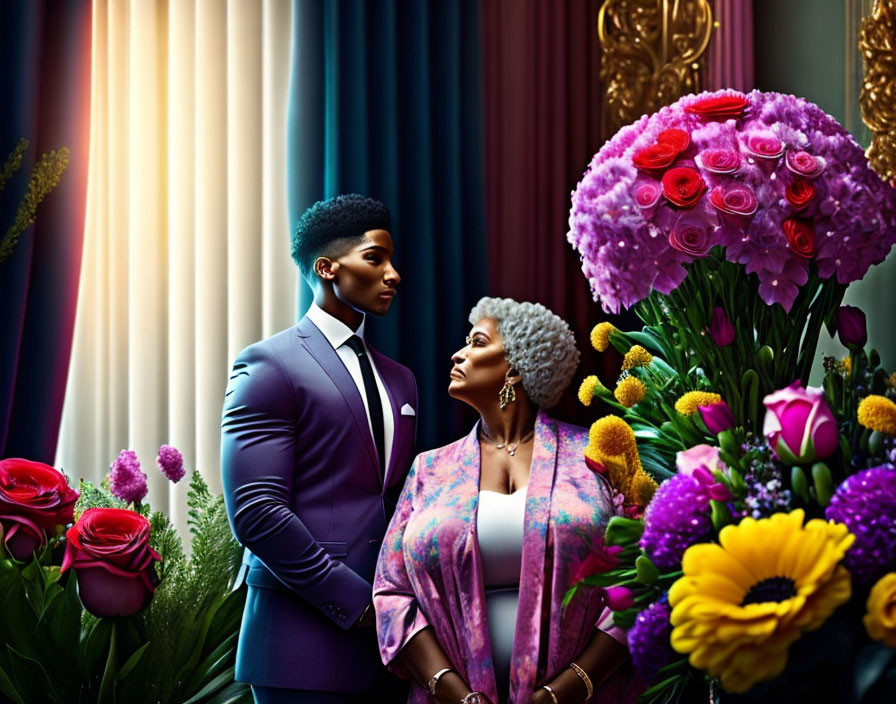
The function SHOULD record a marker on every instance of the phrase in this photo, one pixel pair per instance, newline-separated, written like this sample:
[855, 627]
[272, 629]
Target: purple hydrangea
[866, 504]
[625, 243]
[126, 480]
[648, 639]
[677, 517]
[171, 463]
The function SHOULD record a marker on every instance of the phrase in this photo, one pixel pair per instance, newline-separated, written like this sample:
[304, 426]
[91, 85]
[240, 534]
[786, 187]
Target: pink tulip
[720, 329]
[717, 417]
[851, 326]
[619, 598]
[799, 425]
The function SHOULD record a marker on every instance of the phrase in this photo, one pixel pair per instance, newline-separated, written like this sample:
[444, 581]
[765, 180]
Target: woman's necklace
[509, 447]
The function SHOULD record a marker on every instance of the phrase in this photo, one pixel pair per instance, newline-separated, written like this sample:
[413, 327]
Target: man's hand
[368, 618]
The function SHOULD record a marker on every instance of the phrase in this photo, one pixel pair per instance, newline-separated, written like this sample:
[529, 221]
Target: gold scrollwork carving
[877, 98]
[652, 52]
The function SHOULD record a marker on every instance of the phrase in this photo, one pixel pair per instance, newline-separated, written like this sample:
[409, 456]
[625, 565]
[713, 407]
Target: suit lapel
[390, 380]
[323, 353]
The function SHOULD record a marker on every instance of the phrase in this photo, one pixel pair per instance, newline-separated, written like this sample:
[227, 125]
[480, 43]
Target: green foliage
[95, 497]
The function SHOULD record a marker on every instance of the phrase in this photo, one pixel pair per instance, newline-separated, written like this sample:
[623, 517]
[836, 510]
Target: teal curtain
[386, 100]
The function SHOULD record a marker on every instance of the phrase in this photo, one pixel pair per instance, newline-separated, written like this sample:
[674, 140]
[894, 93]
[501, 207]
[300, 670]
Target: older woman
[490, 531]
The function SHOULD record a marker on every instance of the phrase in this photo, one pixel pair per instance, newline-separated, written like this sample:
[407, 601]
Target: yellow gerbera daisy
[600, 336]
[741, 604]
[630, 391]
[692, 400]
[880, 619]
[637, 356]
[878, 413]
[587, 390]
[611, 442]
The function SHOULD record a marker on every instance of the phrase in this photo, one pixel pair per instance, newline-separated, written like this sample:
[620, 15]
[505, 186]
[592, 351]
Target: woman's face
[480, 367]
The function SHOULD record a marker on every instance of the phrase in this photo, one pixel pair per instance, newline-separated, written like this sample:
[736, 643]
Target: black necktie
[374, 406]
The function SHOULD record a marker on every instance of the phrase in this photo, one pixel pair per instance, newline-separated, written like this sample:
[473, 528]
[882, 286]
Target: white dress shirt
[337, 334]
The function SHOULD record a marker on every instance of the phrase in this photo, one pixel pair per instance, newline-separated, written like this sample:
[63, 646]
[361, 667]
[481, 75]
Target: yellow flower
[611, 442]
[689, 402]
[600, 336]
[880, 619]
[630, 391]
[642, 488]
[846, 366]
[637, 356]
[891, 381]
[741, 604]
[588, 388]
[878, 413]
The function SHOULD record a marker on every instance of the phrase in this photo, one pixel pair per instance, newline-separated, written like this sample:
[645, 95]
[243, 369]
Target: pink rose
[648, 194]
[691, 235]
[719, 161]
[707, 456]
[804, 164]
[763, 145]
[734, 199]
[799, 425]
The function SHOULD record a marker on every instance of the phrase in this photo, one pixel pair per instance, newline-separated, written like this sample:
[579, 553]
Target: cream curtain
[186, 253]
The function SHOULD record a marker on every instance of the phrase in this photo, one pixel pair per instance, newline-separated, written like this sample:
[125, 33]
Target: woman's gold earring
[507, 394]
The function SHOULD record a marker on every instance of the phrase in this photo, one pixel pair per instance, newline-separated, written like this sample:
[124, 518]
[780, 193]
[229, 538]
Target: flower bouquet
[110, 608]
[763, 565]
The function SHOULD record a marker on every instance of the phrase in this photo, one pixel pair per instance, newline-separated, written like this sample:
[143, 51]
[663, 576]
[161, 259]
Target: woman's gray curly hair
[537, 343]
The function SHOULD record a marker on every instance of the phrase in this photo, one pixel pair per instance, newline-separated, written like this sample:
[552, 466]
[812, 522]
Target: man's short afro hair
[337, 218]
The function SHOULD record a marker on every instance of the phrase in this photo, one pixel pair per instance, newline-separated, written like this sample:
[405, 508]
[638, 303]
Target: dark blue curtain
[386, 100]
[45, 85]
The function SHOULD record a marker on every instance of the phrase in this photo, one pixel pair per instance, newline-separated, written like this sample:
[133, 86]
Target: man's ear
[325, 268]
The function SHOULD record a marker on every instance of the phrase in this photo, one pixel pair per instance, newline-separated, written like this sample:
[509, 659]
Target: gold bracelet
[585, 678]
[550, 694]
[434, 680]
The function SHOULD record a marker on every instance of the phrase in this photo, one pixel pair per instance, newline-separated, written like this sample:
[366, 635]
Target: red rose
[799, 193]
[679, 140]
[655, 157]
[34, 499]
[721, 107]
[683, 186]
[801, 236]
[109, 549]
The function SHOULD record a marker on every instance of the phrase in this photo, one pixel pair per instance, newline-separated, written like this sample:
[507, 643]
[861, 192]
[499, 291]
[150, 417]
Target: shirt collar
[336, 332]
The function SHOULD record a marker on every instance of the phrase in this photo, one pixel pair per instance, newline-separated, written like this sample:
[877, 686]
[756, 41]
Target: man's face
[364, 276]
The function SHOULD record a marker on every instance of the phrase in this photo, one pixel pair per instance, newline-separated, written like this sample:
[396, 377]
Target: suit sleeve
[398, 614]
[259, 459]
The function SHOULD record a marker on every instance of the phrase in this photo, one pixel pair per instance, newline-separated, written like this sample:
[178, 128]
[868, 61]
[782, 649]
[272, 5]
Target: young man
[317, 436]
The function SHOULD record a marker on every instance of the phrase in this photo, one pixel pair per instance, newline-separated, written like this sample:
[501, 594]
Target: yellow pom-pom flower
[630, 391]
[600, 336]
[637, 356]
[891, 381]
[845, 366]
[878, 413]
[612, 436]
[611, 442]
[880, 619]
[740, 605]
[690, 402]
[588, 389]
[642, 488]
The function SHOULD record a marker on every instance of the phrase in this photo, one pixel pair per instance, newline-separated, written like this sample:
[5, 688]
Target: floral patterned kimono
[429, 571]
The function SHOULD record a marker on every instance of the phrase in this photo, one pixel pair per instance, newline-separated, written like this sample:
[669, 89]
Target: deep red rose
[722, 107]
[655, 157]
[34, 499]
[801, 236]
[683, 186]
[799, 193]
[109, 549]
[679, 140]
[734, 199]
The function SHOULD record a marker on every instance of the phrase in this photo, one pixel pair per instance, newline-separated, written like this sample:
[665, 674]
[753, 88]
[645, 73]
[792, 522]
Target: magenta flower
[691, 236]
[804, 164]
[717, 417]
[619, 598]
[602, 559]
[126, 480]
[707, 456]
[719, 161]
[851, 328]
[648, 193]
[763, 145]
[799, 425]
[171, 463]
[721, 329]
[677, 517]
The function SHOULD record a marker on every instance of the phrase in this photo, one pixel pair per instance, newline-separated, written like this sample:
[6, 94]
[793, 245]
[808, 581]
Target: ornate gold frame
[877, 98]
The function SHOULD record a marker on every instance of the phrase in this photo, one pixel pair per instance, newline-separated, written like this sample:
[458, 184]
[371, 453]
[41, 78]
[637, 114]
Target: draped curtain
[386, 100]
[45, 84]
[186, 252]
[729, 57]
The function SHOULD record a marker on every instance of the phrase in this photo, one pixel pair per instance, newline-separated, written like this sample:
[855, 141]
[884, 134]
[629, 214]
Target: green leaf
[625, 619]
[799, 483]
[824, 486]
[213, 686]
[750, 386]
[8, 688]
[107, 684]
[721, 515]
[623, 531]
[646, 570]
[131, 662]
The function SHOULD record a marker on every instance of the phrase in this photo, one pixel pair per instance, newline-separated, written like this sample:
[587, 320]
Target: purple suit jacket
[305, 497]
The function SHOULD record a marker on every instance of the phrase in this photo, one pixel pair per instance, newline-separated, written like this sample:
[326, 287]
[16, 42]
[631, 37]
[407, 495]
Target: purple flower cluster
[784, 184]
[765, 496]
[677, 517]
[648, 639]
[126, 480]
[171, 463]
[866, 504]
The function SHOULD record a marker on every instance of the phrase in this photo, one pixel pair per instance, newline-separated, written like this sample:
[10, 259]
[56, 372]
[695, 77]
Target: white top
[337, 334]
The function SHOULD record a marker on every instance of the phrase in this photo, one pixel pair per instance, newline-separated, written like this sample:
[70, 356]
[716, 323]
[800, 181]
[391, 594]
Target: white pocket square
[406, 410]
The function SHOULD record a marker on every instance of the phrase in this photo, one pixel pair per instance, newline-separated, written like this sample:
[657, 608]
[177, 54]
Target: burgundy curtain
[45, 84]
[542, 116]
[730, 53]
